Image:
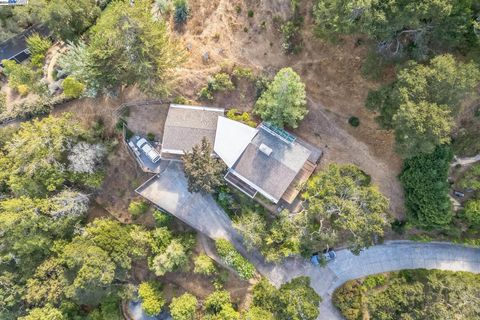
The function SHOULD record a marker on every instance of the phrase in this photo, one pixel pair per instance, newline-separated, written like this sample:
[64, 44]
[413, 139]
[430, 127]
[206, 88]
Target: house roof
[232, 139]
[17, 44]
[271, 173]
[187, 125]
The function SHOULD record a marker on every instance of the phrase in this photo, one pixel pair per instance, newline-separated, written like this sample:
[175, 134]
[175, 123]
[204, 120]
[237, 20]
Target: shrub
[151, 136]
[3, 102]
[72, 88]
[23, 90]
[137, 207]
[374, 281]
[245, 73]
[250, 13]
[220, 82]
[231, 257]
[472, 212]
[354, 121]
[164, 6]
[183, 307]
[151, 295]
[182, 11]
[244, 117]
[347, 298]
[162, 219]
[204, 265]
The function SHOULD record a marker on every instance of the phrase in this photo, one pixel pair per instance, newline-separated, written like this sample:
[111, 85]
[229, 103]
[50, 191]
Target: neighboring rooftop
[187, 125]
[15, 48]
[271, 163]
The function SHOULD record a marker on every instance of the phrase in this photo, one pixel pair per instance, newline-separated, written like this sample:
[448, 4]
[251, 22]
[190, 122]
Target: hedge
[232, 258]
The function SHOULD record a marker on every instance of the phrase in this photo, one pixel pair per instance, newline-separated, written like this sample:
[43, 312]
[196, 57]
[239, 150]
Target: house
[265, 160]
[16, 47]
[186, 126]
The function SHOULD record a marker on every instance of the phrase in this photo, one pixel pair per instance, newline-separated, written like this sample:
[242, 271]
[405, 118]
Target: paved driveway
[169, 191]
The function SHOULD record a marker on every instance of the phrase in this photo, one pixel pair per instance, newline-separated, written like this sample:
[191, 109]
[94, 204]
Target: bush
[72, 88]
[231, 257]
[151, 136]
[182, 11]
[183, 307]
[244, 117]
[138, 207]
[151, 295]
[374, 281]
[354, 121]
[204, 265]
[245, 73]
[472, 212]
[3, 102]
[220, 82]
[162, 219]
[250, 13]
[291, 43]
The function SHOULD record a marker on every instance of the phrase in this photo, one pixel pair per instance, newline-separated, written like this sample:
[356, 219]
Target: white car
[148, 149]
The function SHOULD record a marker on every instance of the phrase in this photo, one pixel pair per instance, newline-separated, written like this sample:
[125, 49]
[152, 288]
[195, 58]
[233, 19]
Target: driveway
[168, 190]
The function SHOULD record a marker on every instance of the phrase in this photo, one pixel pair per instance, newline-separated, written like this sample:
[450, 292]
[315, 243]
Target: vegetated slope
[332, 73]
[411, 294]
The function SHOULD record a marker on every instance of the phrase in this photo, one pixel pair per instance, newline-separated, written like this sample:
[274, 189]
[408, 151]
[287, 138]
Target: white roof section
[231, 139]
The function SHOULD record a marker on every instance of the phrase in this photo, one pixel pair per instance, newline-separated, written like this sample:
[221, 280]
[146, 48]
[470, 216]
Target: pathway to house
[169, 191]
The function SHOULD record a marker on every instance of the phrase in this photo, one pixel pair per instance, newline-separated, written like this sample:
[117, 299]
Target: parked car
[149, 150]
[458, 194]
[326, 256]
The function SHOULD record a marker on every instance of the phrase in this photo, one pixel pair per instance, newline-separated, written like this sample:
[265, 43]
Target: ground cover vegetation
[410, 294]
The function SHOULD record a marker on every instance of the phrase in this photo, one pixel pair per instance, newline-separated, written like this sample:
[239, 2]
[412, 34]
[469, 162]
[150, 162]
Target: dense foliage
[234, 259]
[184, 307]
[126, 46]
[402, 29]
[151, 296]
[421, 103]
[341, 205]
[204, 172]
[424, 179]
[284, 102]
[295, 300]
[411, 294]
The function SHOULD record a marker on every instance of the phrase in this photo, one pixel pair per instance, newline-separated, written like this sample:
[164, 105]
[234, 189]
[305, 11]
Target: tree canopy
[403, 28]
[342, 205]
[204, 172]
[424, 179]
[284, 102]
[411, 294]
[421, 103]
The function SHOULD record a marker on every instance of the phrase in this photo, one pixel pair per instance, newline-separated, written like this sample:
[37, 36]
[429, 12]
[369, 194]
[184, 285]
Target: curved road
[169, 191]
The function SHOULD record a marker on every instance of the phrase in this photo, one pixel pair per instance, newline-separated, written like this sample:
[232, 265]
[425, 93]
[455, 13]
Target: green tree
[33, 161]
[127, 46]
[204, 265]
[424, 179]
[284, 101]
[182, 11]
[421, 103]
[294, 300]
[401, 28]
[184, 307]
[204, 172]
[283, 238]
[472, 212]
[298, 301]
[21, 77]
[72, 88]
[422, 127]
[174, 257]
[46, 313]
[152, 299]
[218, 306]
[471, 178]
[138, 207]
[77, 16]
[342, 205]
[38, 47]
[257, 313]
[252, 226]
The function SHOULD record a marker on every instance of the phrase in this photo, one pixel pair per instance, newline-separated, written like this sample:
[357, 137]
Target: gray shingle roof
[186, 126]
[273, 173]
